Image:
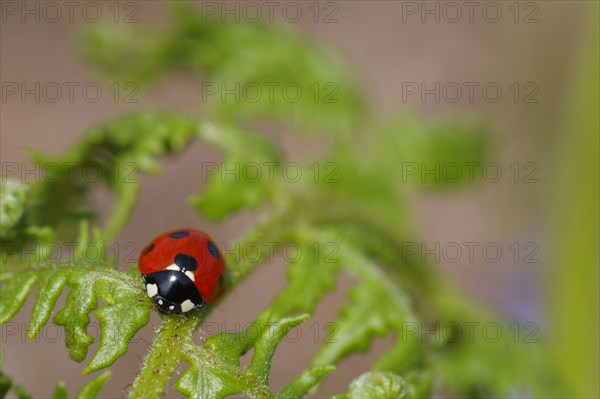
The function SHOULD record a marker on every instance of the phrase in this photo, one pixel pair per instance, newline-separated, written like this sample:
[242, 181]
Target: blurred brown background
[386, 47]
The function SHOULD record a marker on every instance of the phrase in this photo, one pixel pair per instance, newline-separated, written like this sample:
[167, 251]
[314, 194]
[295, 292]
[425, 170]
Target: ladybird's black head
[172, 291]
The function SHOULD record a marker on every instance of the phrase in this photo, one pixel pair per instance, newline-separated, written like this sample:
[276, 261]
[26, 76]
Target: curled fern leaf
[13, 196]
[378, 385]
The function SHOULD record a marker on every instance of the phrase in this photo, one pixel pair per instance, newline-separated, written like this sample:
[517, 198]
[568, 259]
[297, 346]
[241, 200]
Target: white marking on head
[171, 307]
[187, 305]
[174, 267]
[151, 289]
[190, 274]
[160, 301]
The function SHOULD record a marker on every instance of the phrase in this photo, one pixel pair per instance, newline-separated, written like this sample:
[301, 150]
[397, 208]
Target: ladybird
[182, 270]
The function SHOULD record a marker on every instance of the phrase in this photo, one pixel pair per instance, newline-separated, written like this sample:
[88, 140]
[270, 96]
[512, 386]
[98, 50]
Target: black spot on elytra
[212, 249]
[221, 281]
[186, 262]
[179, 234]
[148, 249]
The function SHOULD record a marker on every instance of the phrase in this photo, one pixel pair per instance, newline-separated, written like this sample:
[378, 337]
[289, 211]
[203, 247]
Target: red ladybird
[182, 269]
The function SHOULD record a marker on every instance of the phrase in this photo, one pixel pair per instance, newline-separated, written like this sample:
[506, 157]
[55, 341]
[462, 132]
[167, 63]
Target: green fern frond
[377, 307]
[354, 223]
[313, 275]
[123, 315]
[220, 377]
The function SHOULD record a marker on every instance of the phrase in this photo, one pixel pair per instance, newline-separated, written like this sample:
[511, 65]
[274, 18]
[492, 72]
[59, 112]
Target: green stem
[161, 361]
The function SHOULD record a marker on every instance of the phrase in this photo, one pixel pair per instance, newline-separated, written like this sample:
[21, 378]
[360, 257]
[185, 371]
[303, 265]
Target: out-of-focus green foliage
[274, 74]
[242, 148]
[350, 214]
[574, 230]
[477, 340]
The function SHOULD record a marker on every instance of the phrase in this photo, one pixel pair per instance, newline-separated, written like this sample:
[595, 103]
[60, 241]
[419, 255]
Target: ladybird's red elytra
[182, 270]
